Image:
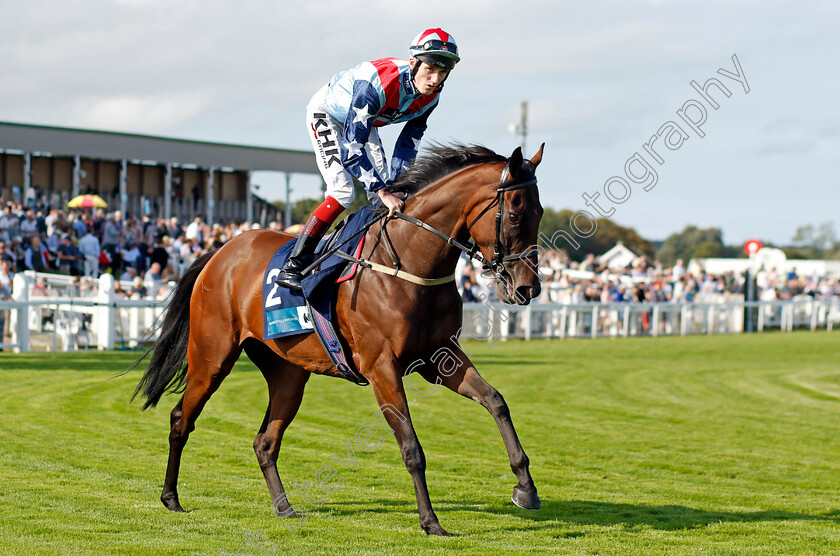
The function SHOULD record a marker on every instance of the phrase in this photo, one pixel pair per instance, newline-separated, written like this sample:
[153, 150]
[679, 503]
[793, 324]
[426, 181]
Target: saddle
[287, 312]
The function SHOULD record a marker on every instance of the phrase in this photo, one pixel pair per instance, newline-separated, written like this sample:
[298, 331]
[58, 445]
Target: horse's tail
[167, 370]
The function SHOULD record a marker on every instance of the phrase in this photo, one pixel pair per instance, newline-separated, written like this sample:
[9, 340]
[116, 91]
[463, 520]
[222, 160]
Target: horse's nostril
[527, 293]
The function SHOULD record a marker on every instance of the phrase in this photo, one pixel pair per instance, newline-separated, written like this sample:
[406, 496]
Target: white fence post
[710, 317]
[655, 321]
[105, 330]
[19, 318]
[134, 326]
[760, 311]
[792, 317]
[564, 314]
[526, 322]
[626, 321]
[504, 325]
[738, 318]
[782, 315]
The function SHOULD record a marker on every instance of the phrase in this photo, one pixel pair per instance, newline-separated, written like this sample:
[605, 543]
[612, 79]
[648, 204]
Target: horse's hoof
[436, 529]
[526, 499]
[171, 503]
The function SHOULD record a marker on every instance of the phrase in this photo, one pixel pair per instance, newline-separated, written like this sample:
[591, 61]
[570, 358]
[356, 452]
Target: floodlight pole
[210, 196]
[288, 200]
[249, 198]
[123, 185]
[167, 192]
[27, 178]
[77, 176]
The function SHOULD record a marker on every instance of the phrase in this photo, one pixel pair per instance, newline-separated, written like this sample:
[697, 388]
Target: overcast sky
[600, 79]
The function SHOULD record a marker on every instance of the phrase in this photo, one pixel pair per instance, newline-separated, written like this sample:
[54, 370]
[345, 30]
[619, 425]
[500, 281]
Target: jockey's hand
[391, 201]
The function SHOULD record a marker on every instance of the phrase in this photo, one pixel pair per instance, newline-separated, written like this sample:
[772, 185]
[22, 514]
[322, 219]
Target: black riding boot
[302, 255]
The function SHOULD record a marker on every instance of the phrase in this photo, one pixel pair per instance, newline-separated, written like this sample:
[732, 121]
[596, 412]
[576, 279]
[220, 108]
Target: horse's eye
[514, 218]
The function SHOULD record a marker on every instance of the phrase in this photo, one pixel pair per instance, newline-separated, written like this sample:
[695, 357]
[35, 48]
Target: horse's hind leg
[202, 381]
[169, 496]
[285, 389]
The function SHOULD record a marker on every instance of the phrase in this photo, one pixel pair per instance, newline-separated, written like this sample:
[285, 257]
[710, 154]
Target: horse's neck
[444, 206]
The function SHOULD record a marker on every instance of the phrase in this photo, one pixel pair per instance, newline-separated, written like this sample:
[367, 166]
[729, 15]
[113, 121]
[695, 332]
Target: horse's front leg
[466, 381]
[393, 405]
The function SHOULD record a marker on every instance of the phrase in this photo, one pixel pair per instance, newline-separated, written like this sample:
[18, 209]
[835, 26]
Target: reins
[334, 250]
[396, 270]
[496, 265]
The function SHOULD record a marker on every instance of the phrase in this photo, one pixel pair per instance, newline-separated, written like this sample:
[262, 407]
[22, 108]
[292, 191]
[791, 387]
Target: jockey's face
[428, 78]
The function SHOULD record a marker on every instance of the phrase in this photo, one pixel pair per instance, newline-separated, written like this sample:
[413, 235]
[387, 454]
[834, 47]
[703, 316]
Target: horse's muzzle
[524, 294]
[509, 292]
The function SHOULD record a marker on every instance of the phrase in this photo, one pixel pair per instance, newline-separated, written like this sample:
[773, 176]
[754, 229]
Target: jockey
[343, 120]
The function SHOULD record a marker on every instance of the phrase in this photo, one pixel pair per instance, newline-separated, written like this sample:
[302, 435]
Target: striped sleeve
[364, 106]
[408, 143]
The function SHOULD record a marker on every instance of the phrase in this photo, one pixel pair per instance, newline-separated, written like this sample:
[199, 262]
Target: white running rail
[69, 315]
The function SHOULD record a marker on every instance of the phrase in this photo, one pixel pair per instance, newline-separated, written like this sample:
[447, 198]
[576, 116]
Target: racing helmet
[436, 47]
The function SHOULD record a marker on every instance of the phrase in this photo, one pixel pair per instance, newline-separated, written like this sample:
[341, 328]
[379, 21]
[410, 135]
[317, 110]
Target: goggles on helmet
[435, 44]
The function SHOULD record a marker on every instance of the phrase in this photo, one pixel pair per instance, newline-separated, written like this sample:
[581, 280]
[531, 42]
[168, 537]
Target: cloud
[599, 79]
[797, 135]
[150, 114]
[137, 3]
[786, 147]
[828, 130]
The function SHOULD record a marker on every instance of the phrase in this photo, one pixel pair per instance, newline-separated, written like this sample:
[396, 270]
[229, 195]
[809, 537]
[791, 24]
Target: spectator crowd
[145, 252]
[151, 253]
[569, 282]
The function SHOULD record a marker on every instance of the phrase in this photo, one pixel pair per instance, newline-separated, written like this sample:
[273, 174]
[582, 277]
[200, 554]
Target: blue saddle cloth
[284, 310]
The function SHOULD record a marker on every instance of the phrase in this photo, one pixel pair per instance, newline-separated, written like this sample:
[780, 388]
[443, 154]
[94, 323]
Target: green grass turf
[698, 445]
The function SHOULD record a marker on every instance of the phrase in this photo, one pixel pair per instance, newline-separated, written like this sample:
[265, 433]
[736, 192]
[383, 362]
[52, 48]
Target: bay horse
[386, 323]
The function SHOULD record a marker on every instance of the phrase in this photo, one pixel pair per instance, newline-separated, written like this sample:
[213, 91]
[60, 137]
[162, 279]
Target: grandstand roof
[111, 145]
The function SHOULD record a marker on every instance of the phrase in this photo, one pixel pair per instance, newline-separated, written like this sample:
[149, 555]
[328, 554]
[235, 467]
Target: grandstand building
[140, 174]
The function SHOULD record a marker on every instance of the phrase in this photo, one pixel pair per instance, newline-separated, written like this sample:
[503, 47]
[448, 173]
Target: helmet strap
[416, 68]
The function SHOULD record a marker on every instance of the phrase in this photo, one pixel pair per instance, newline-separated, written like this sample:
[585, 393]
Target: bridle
[500, 254]
[471, 249]
[500, 250]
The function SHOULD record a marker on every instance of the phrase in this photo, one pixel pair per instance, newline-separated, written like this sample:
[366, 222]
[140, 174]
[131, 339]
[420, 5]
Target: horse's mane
[440, 160]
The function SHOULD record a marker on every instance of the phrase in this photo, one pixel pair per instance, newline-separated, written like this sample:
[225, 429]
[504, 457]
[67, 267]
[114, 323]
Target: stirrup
[302, 254]
[290, 280]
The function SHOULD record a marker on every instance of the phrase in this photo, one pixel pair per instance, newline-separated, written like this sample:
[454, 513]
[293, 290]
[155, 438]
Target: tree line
[809, 242]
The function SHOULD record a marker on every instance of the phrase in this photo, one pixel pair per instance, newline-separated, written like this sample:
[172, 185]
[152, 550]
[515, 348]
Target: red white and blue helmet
[435, 47]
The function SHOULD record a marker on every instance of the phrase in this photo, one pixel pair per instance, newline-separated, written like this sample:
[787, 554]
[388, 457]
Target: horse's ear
[514, 164]
[538, 157]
